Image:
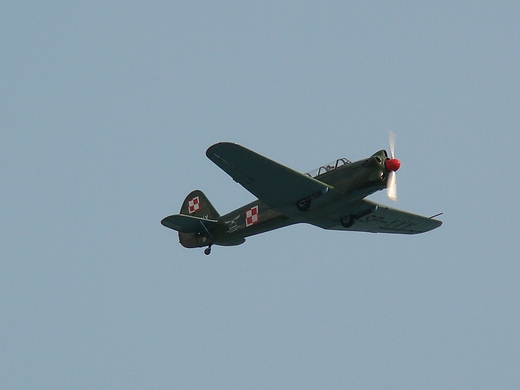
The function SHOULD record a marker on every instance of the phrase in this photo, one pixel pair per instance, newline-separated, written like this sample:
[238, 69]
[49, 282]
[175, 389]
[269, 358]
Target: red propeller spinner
[392, 164]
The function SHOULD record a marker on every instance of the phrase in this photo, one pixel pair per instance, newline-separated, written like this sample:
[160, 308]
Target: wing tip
[221, 144]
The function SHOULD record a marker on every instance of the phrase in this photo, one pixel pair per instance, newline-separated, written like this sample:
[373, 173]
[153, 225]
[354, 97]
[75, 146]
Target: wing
[389, 220]
[273, 183]
[382, 220]
[188, 224]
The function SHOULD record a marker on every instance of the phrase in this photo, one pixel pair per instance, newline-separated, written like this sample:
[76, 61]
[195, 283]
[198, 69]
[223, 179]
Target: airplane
[331, 197]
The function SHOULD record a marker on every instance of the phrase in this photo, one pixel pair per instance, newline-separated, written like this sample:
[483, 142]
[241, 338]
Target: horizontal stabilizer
[188, 224]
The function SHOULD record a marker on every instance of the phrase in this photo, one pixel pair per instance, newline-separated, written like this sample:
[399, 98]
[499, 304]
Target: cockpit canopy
[328, 167]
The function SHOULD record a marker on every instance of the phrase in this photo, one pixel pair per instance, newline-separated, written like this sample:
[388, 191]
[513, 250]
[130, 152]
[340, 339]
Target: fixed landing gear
[207, 251]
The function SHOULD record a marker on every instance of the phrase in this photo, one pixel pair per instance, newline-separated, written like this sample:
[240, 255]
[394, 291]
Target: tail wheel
[348, 221]
[207, 251]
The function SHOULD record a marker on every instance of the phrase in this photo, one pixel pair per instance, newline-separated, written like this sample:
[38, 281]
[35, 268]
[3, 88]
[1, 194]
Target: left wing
[273, 183]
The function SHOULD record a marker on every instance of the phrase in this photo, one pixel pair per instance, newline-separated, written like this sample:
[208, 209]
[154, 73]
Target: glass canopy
[328, 167]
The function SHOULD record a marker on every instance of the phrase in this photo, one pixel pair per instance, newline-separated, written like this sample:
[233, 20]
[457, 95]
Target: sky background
[106, 111]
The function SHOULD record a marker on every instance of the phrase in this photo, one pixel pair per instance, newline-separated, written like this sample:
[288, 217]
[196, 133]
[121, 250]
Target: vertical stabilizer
[198, 205]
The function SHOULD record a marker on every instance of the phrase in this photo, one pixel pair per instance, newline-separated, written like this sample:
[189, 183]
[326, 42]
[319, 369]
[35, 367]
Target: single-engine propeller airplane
[330, 197]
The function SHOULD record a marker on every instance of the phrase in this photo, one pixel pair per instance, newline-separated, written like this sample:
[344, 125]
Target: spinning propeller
[392, 165]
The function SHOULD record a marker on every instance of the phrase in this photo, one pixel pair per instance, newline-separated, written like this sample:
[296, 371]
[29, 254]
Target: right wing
[273, 183]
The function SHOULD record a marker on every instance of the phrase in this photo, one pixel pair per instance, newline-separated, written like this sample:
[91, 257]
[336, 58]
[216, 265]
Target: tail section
[198, 205]
[199, 224]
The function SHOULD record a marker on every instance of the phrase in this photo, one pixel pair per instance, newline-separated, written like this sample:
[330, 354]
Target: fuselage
[351, 182]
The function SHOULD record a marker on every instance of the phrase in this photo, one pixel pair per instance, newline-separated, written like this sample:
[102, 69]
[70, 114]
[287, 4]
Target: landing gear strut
[207, 251]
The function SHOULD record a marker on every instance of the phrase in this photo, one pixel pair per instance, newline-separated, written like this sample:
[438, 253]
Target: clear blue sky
[106, 112]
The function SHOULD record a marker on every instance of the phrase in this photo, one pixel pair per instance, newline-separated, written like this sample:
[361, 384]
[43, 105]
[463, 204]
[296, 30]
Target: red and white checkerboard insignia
[251, 216]
[193, 205]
